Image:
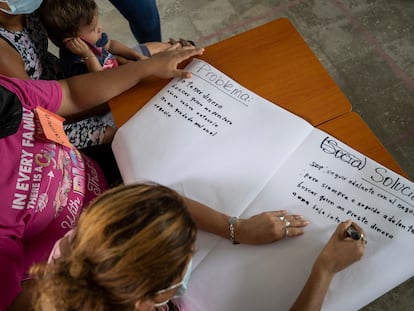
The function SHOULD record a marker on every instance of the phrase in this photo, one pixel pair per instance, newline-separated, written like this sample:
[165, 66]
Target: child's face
[91, 32]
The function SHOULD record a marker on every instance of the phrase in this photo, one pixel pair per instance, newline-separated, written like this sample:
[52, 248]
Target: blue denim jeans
[143, 18]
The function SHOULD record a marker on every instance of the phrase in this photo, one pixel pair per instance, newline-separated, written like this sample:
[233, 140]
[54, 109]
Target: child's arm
[78, 47]
[119, 49]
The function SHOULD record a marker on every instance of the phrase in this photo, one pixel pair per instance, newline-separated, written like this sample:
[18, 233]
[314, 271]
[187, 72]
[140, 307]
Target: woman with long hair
[131, 250]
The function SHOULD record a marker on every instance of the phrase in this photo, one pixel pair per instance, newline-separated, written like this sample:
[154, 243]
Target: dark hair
[63, 18]
[130, 243]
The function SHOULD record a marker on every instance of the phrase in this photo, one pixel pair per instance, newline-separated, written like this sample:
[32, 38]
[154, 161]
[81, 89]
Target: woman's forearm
[208, 219]
[313, 293]
[86, 91]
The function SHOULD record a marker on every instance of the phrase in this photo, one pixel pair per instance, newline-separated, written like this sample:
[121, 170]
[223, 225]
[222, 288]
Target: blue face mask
[18, 7]
[182, 286]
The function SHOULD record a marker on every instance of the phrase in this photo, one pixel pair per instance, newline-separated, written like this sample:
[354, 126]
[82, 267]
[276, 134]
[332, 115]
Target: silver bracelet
[232, 222]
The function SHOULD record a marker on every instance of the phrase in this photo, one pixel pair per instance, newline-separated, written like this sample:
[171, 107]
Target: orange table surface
[353, 131]
[271, 60]
[274, 61]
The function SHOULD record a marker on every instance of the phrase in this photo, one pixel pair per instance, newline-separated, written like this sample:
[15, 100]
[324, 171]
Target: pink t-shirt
[43, 187]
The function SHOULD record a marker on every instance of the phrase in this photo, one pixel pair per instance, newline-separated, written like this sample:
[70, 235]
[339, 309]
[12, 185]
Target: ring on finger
[286, 232]
[287, 222]
[363, 238]
[281, 217]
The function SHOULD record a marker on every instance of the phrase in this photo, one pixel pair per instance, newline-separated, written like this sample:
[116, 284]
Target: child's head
[65, 19]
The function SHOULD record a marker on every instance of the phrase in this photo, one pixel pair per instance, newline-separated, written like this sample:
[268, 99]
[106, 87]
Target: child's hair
[130, 243]
[63, 18]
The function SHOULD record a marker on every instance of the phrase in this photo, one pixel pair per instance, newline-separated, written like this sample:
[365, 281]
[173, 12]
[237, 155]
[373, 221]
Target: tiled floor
[366, 45]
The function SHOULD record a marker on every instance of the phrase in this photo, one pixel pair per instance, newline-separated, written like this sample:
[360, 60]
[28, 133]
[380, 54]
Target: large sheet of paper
[216, 142]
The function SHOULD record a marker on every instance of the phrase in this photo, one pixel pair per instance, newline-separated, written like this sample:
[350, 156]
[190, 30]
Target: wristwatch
[232, 221]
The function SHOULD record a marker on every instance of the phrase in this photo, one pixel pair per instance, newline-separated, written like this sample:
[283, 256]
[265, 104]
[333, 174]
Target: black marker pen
[353, 233]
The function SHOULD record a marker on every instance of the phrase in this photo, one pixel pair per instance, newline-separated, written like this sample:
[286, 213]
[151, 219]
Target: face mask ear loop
[7, 11]
[184, 282]
[161, 304]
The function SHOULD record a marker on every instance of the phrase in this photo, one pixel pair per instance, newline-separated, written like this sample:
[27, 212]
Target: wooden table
[353, 131]
[271, 60]
[275, 62]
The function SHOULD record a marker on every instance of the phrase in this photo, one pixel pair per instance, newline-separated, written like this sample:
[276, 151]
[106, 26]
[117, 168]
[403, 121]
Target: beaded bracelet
[232, 222]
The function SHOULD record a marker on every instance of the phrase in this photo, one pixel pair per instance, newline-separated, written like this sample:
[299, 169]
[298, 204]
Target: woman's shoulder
[33, 93]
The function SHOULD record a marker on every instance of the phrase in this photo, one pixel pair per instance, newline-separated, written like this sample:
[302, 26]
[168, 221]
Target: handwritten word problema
[207, 73]
[188, 103]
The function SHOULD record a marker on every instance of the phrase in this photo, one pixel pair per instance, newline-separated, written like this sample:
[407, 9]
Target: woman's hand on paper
[164, 64]
[268, 227]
